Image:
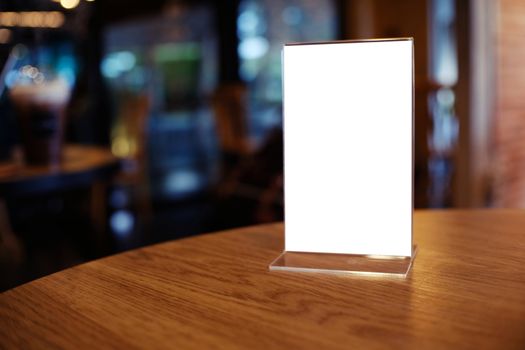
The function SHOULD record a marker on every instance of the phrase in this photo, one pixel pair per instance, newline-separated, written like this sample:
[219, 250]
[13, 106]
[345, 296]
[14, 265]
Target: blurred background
[126, 122]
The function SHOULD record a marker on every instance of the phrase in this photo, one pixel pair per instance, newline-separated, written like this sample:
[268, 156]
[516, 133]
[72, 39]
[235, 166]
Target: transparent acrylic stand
[395, 266]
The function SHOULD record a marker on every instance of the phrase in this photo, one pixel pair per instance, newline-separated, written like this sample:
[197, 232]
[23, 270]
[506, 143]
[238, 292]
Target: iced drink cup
[40, 110]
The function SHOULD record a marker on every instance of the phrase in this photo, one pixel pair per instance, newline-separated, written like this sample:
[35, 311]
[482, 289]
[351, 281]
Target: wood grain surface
[466, 290]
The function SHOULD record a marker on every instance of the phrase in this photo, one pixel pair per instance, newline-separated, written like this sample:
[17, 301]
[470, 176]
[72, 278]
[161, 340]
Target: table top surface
[466, 290]
[80, 164]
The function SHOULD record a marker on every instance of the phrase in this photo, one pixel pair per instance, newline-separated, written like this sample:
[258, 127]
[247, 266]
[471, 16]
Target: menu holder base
[365, 265]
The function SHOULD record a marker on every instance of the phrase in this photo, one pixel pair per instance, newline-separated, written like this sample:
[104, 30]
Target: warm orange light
[53, 19]
[31, 19]
[5, 35]
[121, 147]
[9, 19]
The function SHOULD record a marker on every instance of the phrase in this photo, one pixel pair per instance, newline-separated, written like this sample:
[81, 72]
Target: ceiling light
[69, 4]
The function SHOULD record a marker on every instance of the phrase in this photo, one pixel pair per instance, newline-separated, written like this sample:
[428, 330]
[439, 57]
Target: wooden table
[466, 290]
[81, 165]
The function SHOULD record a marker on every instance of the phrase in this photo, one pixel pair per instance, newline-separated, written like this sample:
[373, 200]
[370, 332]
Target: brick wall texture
[509, 126]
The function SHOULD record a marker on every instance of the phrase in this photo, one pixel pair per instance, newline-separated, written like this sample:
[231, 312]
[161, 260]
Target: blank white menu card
[348, 131]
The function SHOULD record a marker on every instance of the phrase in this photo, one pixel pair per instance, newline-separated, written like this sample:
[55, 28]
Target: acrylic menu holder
[348, 157]
[369, 265]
